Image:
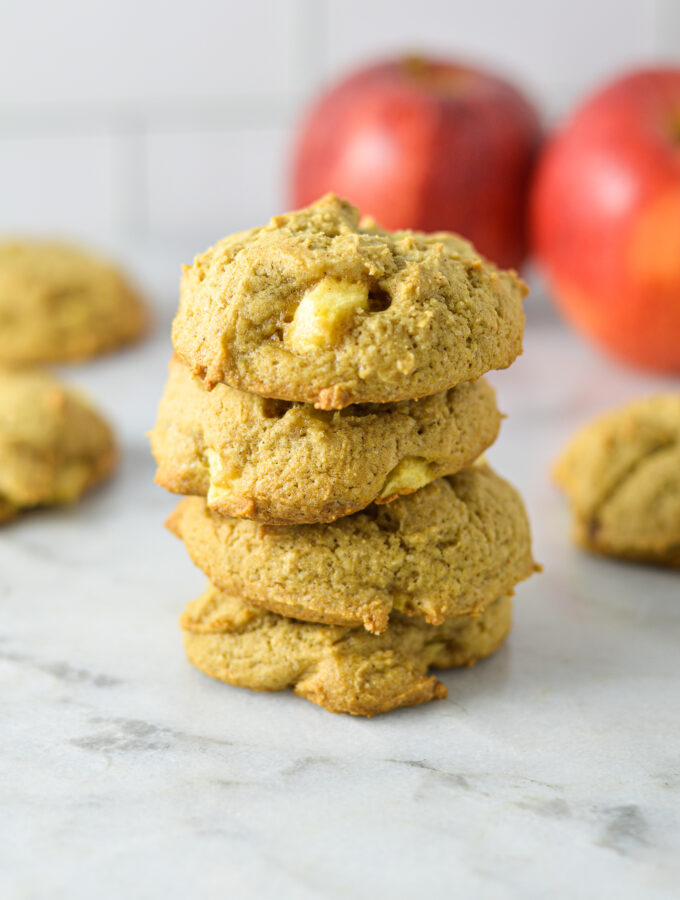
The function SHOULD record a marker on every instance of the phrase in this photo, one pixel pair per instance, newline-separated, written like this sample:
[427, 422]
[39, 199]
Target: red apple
[605, 216]
[425, 144]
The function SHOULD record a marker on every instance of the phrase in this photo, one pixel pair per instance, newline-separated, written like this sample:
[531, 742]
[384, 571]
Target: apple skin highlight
[605, 218]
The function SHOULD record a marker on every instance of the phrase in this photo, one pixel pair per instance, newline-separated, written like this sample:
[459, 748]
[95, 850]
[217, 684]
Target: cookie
[342, 669]
[447, 550]
[621, 476]
[315, 308]
[59, 304]
[283, 462]
[7, 510]
[53, 444]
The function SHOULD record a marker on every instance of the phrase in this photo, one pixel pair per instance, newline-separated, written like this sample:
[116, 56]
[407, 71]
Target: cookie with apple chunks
[318, 308]
[283, 462]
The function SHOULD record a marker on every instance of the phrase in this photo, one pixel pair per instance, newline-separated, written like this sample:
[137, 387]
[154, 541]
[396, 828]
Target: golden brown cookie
[447, 550]
[342, 669]
[284, 463]
[59, 304]
[7, 510]
[621, 475]
[313, 307]
[53, 444]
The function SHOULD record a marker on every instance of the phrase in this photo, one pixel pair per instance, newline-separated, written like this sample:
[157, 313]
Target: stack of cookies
[325, 412]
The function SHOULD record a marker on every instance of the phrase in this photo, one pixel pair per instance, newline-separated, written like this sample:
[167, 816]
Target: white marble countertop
[553, 769]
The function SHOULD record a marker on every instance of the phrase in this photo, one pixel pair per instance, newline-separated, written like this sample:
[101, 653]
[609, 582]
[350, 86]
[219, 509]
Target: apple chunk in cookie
[324, 314]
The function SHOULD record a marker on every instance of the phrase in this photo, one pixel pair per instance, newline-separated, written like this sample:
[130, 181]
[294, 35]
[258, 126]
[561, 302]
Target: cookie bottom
[341, 668]
[69, 484]
[651, 553]
[7, 510]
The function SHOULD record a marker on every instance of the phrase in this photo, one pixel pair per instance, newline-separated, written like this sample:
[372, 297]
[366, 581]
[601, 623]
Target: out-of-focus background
[171, 123]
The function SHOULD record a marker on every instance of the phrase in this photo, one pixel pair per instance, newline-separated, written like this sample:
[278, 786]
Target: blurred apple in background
[606, 218]
[425, 144]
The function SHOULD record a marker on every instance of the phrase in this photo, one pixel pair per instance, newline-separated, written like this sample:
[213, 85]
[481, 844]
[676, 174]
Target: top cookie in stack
[318, 308]
[324, 367]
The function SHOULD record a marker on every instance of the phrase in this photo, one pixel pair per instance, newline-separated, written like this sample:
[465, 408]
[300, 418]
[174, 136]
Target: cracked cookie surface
[315, 307]
[447, 550]
[59, 304]
[53, 444]
[342, 669]
[285, 463]
[621, 476]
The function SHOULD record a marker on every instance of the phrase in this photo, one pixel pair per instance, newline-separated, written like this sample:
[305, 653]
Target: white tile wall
[169, 120]
[555, 49]
[132, 52]
[57, 184]
[237, 185]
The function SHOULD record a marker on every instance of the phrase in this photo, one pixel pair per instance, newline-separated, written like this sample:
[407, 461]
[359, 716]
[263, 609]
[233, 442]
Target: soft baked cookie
[59, 304]
[621, 475]
[316, 308]
[447, 550]
[342, 669]
[53, 444]
[283, 462]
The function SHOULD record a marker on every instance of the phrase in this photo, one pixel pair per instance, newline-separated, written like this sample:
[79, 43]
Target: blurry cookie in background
[621, 476]
[61, 304]
[53, 444]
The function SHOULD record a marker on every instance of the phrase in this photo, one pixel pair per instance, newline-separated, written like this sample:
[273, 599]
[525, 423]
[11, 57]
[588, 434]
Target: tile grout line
[176, 116]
